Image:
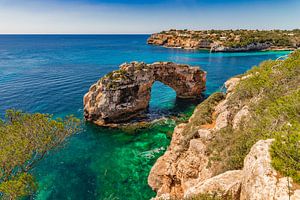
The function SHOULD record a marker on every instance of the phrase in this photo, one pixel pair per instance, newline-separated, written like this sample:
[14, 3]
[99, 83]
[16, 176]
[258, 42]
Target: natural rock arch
[122, 94]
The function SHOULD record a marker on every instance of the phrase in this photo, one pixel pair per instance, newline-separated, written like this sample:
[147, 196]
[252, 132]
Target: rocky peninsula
[228, 40]
[243, 144]
[125, 93]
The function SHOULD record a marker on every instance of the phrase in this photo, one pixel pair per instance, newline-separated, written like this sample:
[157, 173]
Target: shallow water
[50, 74]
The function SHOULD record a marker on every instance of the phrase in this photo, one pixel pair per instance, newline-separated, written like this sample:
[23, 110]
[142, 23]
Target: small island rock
[122, 94]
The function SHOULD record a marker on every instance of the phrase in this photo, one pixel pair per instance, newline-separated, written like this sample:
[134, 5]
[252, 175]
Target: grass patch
[273, 95]
[208, 197]
[202, 115]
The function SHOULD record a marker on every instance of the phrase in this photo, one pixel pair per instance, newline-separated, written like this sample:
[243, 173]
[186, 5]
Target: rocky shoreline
[230, 148]
[227, 40]
[187, 170]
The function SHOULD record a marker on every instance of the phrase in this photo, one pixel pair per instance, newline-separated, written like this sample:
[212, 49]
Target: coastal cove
[51, 73]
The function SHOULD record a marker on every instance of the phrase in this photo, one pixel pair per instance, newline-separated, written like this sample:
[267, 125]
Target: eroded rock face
[244, 112]
[231, 84]
[178, 170]
[251, 47]
[121, 94]
[186, 170]
[218, 42]
[260, 180]
[224, 185]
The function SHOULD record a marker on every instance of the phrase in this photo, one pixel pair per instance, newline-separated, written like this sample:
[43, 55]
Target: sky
[144, 16]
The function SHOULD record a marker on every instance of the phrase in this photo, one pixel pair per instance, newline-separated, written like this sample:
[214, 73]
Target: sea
[51, 73]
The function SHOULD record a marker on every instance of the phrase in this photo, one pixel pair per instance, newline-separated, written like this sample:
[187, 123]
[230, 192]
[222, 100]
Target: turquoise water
[50, 74]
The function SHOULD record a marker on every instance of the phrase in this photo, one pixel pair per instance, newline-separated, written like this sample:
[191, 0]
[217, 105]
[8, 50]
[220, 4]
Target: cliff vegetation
[241, 145]
[228, 40]
[272, 94]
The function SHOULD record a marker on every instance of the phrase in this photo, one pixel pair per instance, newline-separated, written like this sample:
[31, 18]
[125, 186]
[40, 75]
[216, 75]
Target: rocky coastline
[190, 169]
[232, 145]
[227, 40]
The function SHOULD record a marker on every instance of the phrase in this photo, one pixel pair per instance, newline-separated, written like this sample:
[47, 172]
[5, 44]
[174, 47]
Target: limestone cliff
[227, 40]
[122, 94]
[222, 151]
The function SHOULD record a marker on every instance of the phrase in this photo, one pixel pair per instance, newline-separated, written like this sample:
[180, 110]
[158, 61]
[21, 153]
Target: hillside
[244, 144]
[228, 40]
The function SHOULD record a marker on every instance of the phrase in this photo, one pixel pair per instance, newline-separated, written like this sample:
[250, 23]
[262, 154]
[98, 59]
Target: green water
[105, 163]
[98, 171]
[51, 73]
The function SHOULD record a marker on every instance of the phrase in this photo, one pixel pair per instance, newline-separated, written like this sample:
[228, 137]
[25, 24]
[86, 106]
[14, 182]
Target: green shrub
[276, 38]
[25, 139]
[202, 115]
[272, 94]
[285, 151]
[208, 197]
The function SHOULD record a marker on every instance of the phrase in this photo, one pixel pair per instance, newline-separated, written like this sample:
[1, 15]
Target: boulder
[222, 120]
[231, 84]
[244, 112]
[204, 134]
[260, 180]
[224, 185]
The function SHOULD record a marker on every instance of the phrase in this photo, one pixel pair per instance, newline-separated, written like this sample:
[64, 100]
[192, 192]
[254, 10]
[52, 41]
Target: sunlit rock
[122, 94]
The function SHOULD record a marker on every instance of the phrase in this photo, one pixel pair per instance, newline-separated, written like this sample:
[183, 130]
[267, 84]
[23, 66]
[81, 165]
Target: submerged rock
[122, 94]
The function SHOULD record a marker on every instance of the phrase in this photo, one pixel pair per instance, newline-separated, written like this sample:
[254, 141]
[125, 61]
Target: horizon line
[147, 33]
[75, 33]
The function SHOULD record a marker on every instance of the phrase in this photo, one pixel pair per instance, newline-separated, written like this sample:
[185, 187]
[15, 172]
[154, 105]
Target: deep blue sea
[51, 73]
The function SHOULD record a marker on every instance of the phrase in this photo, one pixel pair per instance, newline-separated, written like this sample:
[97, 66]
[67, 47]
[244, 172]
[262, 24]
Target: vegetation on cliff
[25, 139]
[233, 133]
[229, 40]
[271, 92]
[202, 115]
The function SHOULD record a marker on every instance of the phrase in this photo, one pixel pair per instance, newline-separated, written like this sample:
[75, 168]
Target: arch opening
[162, 98]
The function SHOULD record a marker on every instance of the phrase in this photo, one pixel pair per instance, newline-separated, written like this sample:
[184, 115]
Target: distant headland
[228, 40]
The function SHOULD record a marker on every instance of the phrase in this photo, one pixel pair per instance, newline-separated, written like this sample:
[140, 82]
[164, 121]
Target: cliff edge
[228, 40]
[240, 145]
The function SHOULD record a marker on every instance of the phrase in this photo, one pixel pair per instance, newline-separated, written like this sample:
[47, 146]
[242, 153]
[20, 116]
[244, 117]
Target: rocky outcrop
[257, 180]
[260, 180]
[122, 94]
[239, 116]
[250, 47]
[168, 40]
[186, 169]
[224, 185]
[172, 41]
[177, 170]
